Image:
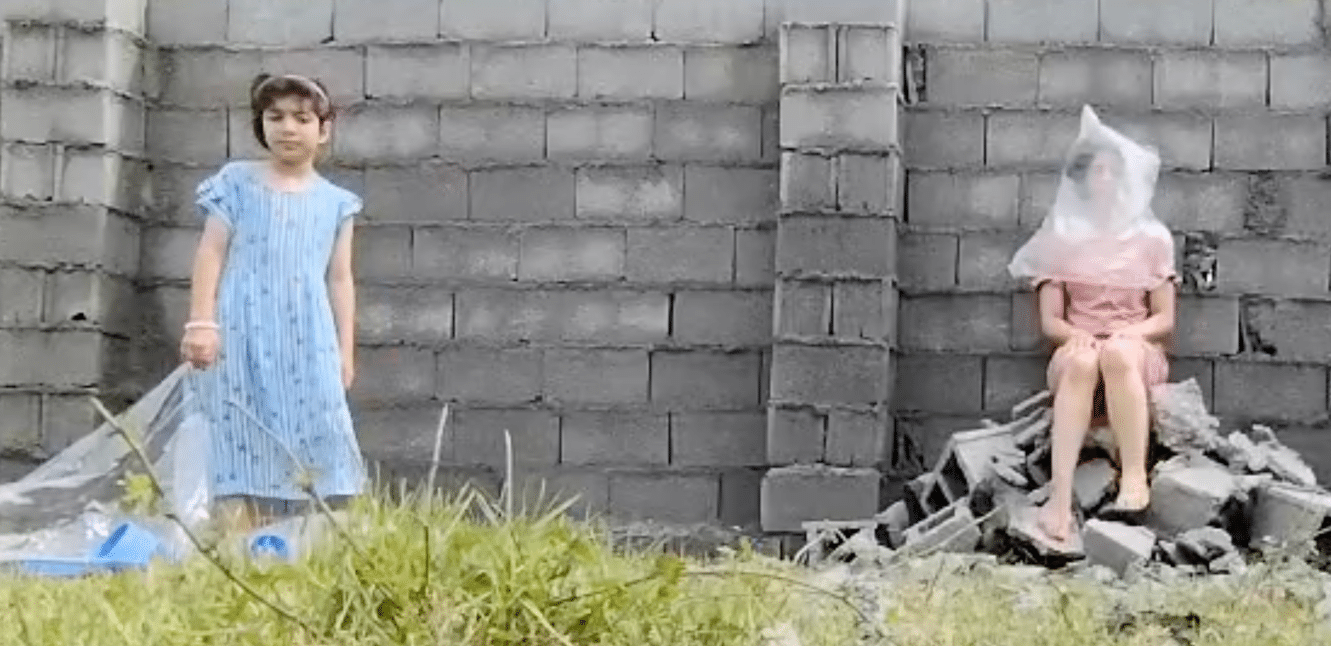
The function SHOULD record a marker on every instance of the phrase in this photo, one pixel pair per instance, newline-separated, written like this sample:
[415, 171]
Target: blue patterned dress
[276, 392]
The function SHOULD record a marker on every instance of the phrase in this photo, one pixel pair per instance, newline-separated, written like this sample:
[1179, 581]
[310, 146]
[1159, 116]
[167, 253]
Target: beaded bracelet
[196, 325]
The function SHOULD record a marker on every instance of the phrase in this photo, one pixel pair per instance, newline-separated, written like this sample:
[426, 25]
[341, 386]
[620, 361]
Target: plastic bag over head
[1101, 229]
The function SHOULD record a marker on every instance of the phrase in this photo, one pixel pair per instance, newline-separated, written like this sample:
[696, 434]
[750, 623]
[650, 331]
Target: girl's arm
[1052, 321]
[1160, 324]
[208, 262]
[342, 294]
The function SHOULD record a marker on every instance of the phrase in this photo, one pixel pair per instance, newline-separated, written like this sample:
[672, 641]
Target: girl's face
[293, 130]
[1102, 177]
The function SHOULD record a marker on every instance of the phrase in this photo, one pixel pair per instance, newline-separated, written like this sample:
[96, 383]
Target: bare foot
[1055, 522]
[1132, 496]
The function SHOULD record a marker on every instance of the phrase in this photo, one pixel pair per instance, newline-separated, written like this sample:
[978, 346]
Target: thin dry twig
[173, 517]
[438, 445]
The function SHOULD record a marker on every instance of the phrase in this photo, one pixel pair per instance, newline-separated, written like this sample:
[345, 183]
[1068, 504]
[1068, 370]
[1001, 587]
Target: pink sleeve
[1161, 259]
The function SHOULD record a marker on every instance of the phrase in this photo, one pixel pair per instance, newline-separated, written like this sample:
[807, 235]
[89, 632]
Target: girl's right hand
[200, 345]
[1081, 339]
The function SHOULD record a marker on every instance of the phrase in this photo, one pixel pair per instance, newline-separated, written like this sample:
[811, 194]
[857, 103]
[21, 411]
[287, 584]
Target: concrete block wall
[73, 100]
[1234, 93]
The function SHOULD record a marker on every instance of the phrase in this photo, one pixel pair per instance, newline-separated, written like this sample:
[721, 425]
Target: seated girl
[1103, 268]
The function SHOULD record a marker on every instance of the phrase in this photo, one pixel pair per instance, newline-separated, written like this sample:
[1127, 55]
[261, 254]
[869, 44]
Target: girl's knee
[1121, 357]
[1082, 365]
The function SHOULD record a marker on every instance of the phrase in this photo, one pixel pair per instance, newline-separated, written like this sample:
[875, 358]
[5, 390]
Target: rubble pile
[1215, 499]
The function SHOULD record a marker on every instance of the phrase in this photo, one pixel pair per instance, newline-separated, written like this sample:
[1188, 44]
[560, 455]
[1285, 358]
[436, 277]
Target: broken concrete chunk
[895, 520]
[1229, 563]
[1181, 419]
[1116, 545]
[1092, 481]
[1241, 453]
[1283, 515]
[1205, 544]
[1039, 400]
[1173, 554]
[950, 530]
[1286, 464]
[1263, 434]
[1184, 498]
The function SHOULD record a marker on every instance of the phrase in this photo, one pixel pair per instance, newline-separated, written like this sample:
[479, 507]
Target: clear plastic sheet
[69, 506]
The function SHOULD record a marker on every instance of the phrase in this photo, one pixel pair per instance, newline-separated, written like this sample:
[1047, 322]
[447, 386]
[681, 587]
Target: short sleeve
[351, 207]
[1161, 258]
[212, 197]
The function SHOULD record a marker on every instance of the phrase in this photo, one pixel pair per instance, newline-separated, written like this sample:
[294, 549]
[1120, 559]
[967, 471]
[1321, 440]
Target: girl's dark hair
[1079, 165]
[266, 90]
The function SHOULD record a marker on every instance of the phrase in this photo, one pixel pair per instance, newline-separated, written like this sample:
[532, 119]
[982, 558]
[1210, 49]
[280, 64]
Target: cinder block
[1182, 138]
[20, 422]
[803, 309]
[508, 133]
[83, 298]
[869, 53]
[1289, 392]
[962, 77]
[927, 262]
[731, 74]
[973, 322]
[562, 254]
[939, 383]
[1285, 516]
[340, 69]
[452, 253]
[1186, 22]
[889, 12]
[702, 21]
[419, 193]
[808, 182]
[600, 20]
[543, 71]
[795, 436]
[963, 199]
[733, 195]
[638, 194]
[1188, 497]
[532, 194]
[1102, 77]
[1288, 329]
[741, 492]
[30, 53]
[806, 54]
[1253, 23]
[241, 142]
[1203, 202]
[694, 254]
[1043, 21]
[1091, 482]
[1117, 546]
[870, 184]
[943, 139]
[1275, 267]
[478, 437]
[170, 252]
[856, 439]
[864, 310]
[588, 490]
[395, 314]
[953, 21]
[770, 133]
[794, 495]
[387, 134]
[636, 438]
[731, 318]
[434, 71]
[854, 247]
[109, 59]
[76, 116]
[1010, 380]
[65, 420]
[1209, 79]
[755, 257]
[1029, 139]
[483, 20]
[1300, 81]
[280, 22]
[718, 133]
[498, 376]
[721, 439]
[952, 529]
[859, 118]
[630, 73]
[21, 292]
[983, 260]
[354, 20]
[59, 235]
[1307, 199]
[596, 376]
[1207, 326]
[174, 23]
[1036, 197]
[831, 375]
[382, 252]
[574, 315]
[198, 77]
[705, 379]
[391, 375]
[1026, 332]
[189, 136]
[1270, 142]
[674, 498]
[600, 133]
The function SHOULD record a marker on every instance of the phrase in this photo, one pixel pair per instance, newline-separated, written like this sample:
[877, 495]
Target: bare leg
[1072, 419]
[1125, 399]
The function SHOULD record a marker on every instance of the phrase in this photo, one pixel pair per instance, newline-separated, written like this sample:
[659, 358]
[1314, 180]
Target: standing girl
[271, 312]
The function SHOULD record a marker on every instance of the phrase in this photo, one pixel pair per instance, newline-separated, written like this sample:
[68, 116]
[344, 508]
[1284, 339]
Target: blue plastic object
[270, 544]
[128, 546]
